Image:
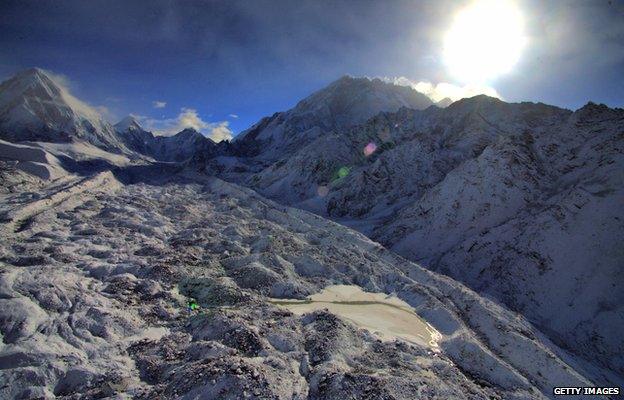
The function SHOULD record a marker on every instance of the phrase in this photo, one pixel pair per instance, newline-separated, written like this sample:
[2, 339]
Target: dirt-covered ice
[387, 316]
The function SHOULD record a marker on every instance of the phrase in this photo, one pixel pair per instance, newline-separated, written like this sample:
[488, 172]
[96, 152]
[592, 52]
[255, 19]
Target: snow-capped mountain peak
[129, 123]
[35, 105]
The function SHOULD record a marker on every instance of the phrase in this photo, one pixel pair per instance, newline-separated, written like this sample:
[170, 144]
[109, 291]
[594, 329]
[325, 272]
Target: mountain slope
[507, 198]
[533, 221]
[34, 107]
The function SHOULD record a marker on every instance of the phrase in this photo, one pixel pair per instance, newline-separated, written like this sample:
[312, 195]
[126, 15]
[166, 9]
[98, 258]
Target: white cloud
[60, 80]
[221, 131]
[187, 118]
[442, 90]
[87, 110]
[106, 113]
[159, 104]
[235, 116]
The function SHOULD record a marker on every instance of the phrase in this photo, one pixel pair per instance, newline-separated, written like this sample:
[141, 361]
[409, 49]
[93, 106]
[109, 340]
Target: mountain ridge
[175, 148]
[344, 102]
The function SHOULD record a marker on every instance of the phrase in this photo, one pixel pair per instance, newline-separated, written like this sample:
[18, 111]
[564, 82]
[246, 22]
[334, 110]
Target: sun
[485, 41]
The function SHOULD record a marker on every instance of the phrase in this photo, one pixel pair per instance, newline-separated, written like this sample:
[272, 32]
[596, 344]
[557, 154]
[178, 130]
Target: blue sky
[253, 58]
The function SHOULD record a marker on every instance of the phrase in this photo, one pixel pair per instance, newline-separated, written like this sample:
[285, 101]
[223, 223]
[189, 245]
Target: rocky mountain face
[176, 148]
[34, 107]
[518, 201]
[343, 103]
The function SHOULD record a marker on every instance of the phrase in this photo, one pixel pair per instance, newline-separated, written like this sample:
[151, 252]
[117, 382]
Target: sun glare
[485, 41]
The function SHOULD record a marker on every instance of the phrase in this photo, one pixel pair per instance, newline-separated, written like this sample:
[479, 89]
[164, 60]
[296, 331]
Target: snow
[83, 151]
[35, 107]
[32, 160]
[127, 123]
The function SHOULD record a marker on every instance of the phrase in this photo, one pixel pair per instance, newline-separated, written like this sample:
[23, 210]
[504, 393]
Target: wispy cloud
[159, 104]
[187, 118]
[106, 113]
[235, 116]
[443, 90]
[93, 112]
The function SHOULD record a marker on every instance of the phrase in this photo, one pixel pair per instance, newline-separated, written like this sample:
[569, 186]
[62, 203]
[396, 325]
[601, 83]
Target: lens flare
[322, 191]
[343, 172]
[370, 149]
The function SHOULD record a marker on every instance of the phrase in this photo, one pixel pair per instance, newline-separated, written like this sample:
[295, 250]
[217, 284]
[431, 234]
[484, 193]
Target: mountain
[345, 102]
[518, 201]
[176, 148]
[34, 107]
[134, 136]
[182, 146]
[129, 123]
[445, 102]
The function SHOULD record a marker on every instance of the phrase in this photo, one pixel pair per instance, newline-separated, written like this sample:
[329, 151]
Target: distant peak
[445, 102]
[345, 78]
[348, 80]
[129, 123]
[188, 132]
[478, 100]
[591, 106]
[592, 112]
[32, 82]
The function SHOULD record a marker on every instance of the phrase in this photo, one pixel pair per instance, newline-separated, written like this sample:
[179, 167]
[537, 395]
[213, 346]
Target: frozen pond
[387, 316]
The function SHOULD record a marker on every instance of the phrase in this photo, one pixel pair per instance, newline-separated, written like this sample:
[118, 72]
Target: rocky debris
[213, 292]
[119, 325]
[326, 336]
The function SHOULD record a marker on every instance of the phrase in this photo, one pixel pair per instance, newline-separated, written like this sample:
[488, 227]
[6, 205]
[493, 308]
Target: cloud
[159, 104]
[92, 112]
[235, 116]
[106, 113]
[187, 118]
[442, 90]
[60, 80]
[221, 131]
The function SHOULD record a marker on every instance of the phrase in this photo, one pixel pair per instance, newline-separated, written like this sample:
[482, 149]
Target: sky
[222, 65]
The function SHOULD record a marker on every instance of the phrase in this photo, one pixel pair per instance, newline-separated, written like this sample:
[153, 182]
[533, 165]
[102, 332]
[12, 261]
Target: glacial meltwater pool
[386, 316]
